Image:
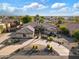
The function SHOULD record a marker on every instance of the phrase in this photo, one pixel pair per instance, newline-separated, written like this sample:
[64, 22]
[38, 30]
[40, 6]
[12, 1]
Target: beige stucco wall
[4, 27]
[20, 35]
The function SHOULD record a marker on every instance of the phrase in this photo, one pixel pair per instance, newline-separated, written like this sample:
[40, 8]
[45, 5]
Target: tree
[64, 30]
[60, 20]
[76, 35]
[39, 29]
[36, 18]
[41, 19]
[12, 17]
[26, 19]
[1, 17]
[76, 19]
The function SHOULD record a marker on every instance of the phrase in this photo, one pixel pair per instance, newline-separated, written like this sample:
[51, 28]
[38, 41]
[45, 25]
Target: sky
[41, 7]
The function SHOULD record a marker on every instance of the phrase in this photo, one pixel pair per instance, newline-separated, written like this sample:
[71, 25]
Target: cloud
[44, 1]
[6, 7]
[76, 13]
[58, 5]
[35, 5]
[8, 10]
[61, 9]
[76, 6]
[65, 10]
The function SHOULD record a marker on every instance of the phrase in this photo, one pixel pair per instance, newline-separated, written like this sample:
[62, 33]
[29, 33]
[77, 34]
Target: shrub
[64, 30]
[76, 35]
[51, 49]
[48, 46]
[50, 38]
[33, 47]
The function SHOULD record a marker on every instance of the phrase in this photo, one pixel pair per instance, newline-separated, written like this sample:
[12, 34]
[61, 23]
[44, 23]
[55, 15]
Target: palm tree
[37, 18]
[41, 20]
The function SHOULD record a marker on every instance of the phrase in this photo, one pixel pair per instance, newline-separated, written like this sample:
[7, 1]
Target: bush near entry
[50, 38]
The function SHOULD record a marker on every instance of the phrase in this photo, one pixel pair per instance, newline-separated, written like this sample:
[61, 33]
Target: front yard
[40, 50]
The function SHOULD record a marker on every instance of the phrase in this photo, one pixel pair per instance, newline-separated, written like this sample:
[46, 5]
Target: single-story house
[11, 24]
[25, 32]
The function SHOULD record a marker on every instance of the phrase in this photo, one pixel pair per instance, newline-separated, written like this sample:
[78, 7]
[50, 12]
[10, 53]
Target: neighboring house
[33, 24]
[11, 24]
[72, 27]
[49, 28]
[6, 19]
[25, 32]
[51, 19]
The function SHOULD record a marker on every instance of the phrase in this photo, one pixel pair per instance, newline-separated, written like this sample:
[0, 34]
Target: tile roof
[30, 27]
[26, 29]
[72, 26]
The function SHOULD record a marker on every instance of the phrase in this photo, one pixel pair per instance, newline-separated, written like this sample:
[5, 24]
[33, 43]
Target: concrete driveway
[60, 49]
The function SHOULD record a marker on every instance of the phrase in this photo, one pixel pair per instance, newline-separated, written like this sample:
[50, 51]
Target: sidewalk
[4, 37]
[8, 50]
